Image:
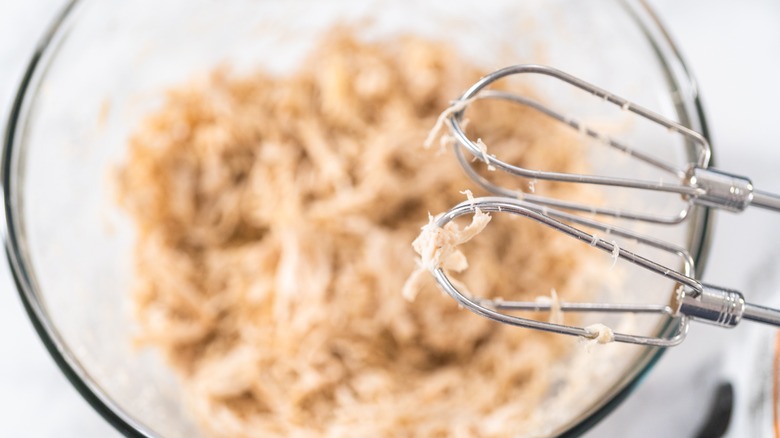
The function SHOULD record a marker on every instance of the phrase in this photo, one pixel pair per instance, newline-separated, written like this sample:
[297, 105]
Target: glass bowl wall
[103, 65]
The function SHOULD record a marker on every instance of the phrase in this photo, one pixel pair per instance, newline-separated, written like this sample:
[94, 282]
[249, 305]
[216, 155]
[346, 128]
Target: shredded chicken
[556, 313]
[437, 247]
[602, 334]
[436, 131]
[274, 216]
[615, 254]
[485, 157]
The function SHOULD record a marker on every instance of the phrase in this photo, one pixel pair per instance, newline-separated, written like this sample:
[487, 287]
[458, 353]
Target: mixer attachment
[695, 182]
[690, 300]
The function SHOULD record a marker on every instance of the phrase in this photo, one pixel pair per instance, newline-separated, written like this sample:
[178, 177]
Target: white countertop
[733, 49]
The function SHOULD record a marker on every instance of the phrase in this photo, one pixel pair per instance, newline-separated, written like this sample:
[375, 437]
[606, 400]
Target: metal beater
[697, 184]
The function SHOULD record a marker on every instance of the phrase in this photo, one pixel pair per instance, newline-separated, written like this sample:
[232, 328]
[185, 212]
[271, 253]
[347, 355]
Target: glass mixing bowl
[103, 65]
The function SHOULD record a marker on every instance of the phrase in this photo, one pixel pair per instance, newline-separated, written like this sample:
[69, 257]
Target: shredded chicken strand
[601, 333]
[438, 127]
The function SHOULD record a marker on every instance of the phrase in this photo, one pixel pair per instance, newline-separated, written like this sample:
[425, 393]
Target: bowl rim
[689, 108]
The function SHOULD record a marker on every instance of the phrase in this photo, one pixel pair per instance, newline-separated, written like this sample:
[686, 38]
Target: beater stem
[766, 200]
[762, 314]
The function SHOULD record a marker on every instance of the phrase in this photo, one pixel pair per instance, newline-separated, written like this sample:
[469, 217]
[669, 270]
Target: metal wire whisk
[692, 299]
[696, 183]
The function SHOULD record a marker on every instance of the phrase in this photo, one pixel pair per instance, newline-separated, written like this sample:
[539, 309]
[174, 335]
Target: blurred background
[733, 49]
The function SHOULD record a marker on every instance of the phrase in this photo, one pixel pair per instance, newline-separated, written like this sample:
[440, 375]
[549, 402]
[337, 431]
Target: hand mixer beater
[697, 184]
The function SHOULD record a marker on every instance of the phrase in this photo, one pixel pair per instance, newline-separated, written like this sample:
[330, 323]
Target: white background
[733, 49]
